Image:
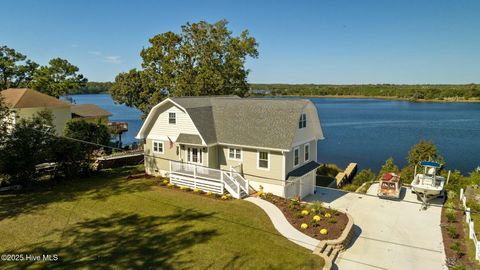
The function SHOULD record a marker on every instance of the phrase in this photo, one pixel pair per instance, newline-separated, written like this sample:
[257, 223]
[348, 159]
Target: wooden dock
[347, 175]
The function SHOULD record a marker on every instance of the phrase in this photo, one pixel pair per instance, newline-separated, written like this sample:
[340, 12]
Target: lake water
[368, 131]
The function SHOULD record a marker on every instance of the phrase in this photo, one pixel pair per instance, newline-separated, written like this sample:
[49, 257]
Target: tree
[15, 69]
[204, 59]
[423, 150]
[58, 78]
[365, 175]
[90, 132]
[27, 144]
[5, 117]
[389, 166]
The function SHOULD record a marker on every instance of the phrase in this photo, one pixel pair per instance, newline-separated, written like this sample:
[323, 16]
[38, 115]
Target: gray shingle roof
[302, 170]
[189, 139]
[262, 122]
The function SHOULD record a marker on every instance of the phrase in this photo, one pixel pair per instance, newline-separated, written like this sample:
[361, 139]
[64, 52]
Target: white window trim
[293, 156]
[300, 122]
[153, 147]
[175, 114]
[234, 158]
[304, 152]
[258, 160]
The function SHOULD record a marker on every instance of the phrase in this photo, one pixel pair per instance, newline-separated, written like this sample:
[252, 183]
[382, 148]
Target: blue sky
[340, 42]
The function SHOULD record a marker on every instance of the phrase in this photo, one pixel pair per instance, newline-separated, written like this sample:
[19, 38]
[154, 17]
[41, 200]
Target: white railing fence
[471, 228]
[207, 179]
[243, 183]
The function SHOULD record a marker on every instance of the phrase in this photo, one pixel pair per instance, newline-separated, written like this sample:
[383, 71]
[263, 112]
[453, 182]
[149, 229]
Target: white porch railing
[207, 179]
[243, 183]
[471, 230]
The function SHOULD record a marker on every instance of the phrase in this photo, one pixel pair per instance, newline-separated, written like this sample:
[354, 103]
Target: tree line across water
[402, 91]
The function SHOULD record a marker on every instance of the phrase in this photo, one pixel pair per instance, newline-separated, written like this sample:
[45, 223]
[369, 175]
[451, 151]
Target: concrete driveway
[388, 234]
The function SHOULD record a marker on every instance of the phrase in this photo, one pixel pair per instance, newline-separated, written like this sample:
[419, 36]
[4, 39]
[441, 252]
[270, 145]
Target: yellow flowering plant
[327, 215]
[304, 212]
[316, 218]
[304, 226]
[323, 231]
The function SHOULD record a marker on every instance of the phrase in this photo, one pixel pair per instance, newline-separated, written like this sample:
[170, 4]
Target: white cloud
[113, 59]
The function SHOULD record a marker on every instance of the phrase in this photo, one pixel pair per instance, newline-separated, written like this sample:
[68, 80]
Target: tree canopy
[15, 69]
[58, 78]
[204, 59]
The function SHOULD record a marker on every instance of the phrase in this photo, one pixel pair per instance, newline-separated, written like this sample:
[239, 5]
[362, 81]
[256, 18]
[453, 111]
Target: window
[158, 147]
[295, 156]
[263, 161]
[172, 118]
[235, 153]
[303, 121]
[306, 149]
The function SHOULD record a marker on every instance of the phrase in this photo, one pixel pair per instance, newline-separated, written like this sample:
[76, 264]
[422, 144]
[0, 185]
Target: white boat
[428, 184]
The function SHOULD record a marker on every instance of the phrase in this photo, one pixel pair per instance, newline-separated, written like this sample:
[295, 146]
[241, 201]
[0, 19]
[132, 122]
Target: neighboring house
[90, 113]
[221, 142]
[25, 103]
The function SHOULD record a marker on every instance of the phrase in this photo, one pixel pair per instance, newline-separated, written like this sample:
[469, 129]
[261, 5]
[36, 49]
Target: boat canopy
[430, 164]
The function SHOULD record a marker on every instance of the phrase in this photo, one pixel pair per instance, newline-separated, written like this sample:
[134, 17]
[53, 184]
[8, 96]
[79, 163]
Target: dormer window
[172, 118]
[303, 121]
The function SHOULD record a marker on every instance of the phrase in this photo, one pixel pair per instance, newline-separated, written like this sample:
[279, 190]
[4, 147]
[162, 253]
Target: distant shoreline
[447, 100]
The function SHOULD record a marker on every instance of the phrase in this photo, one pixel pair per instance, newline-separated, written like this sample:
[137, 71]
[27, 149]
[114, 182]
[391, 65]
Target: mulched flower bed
[454, 235]
[332, 221]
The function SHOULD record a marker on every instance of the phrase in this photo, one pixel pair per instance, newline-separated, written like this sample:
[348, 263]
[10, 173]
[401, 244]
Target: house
[232, 143]
[90, 113]
[25, 103]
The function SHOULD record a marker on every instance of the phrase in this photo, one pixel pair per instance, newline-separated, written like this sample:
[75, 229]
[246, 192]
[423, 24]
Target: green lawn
[108, 222]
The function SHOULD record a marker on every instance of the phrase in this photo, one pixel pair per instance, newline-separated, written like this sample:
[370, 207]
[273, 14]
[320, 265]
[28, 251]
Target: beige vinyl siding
[61, 115]
[250, 167]
[183, 124]
[289, 156]
[157, 163]
[213, 157]
[312, 129]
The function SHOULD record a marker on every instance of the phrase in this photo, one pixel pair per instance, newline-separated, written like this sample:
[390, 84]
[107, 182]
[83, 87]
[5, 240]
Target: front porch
[208, 179]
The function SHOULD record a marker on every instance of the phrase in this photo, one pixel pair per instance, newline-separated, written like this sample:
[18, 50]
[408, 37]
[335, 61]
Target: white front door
[194, 155]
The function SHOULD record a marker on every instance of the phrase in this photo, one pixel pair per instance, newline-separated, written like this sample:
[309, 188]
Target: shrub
[452, 231]
[460, 267]
[304, 226]
[365, 175]
[350, 187]
[317, 205]
[451, 215]
[297, 215]
[457, 249]
[293, 204]
[332, 220]
[329, 170]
